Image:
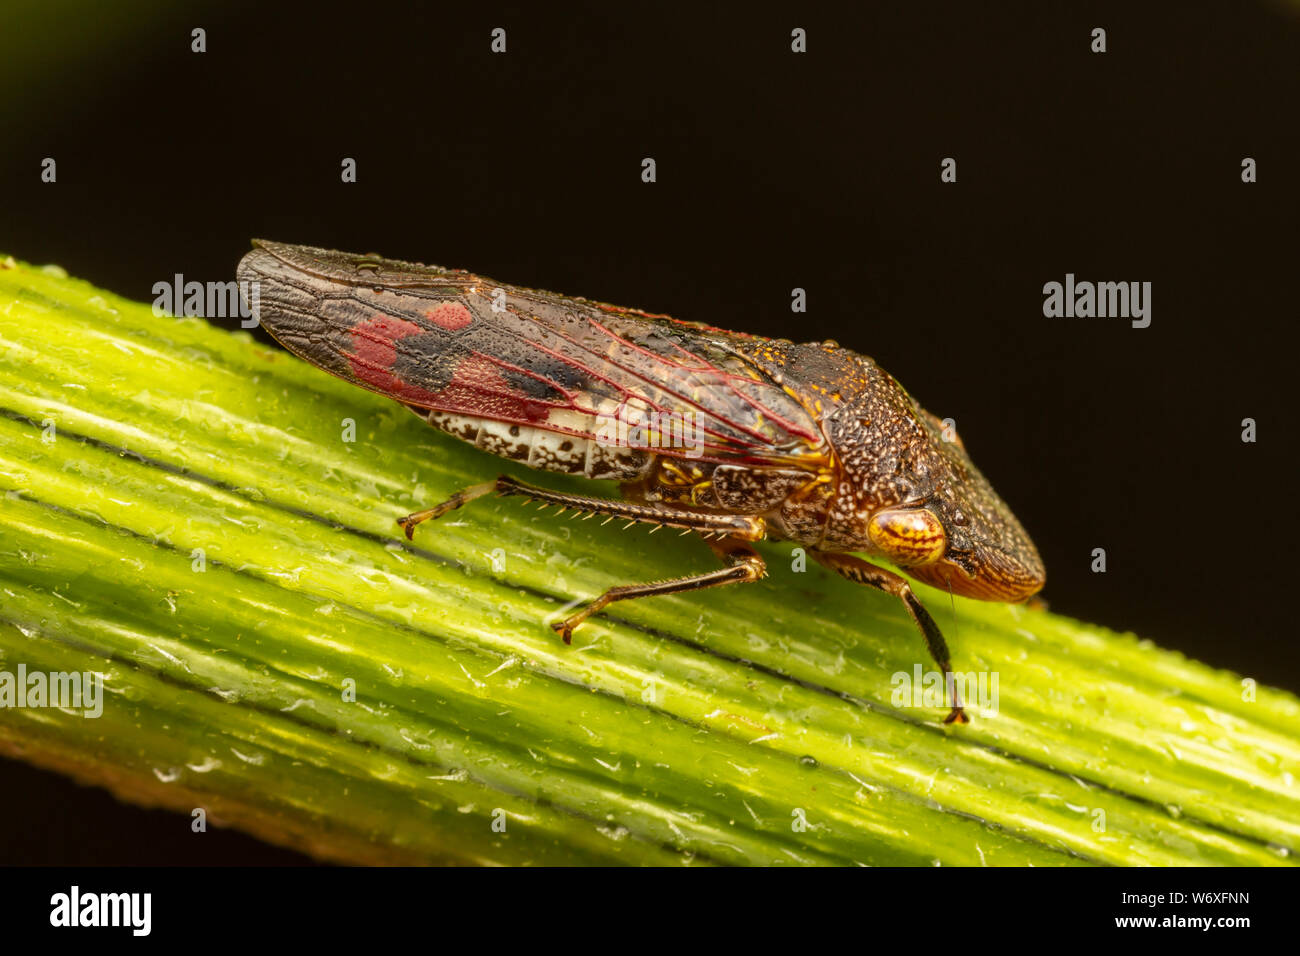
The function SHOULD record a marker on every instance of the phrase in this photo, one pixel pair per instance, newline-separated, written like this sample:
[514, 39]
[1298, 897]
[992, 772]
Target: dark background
[775, 170]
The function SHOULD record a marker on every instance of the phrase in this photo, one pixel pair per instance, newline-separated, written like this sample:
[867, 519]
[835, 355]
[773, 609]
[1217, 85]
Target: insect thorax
[792, 500]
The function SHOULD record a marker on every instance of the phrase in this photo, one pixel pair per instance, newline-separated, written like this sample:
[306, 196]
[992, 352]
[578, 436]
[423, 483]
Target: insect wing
[459, 343]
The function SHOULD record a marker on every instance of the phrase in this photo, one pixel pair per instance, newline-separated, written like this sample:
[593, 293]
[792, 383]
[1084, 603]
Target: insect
[734, 437]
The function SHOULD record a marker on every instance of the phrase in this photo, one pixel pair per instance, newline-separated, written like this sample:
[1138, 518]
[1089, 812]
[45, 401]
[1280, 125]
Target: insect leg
[409, 522]
[864, 572]
[740, 526]
[744, 565]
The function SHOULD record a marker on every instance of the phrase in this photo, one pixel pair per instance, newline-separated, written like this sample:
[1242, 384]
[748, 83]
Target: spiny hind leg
[864, 572]
[718, 525]
[743, 565]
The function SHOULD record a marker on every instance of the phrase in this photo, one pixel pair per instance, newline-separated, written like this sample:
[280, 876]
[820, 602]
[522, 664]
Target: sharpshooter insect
[732, 436]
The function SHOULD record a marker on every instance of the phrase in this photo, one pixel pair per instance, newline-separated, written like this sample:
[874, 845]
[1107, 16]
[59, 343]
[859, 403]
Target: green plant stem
[184, 514]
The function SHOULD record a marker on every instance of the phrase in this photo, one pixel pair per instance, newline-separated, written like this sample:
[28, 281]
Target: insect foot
[460, 498]
[565, 628]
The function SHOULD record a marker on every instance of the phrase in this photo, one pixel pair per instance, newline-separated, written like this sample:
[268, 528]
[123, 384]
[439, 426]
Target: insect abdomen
[543, 449]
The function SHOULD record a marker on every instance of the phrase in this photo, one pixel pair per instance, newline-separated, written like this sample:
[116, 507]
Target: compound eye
[908, 536]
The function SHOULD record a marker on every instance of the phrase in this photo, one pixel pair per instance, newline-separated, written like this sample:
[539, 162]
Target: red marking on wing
[450, 316]
[374, 350]
[477, 386]
[479, 389]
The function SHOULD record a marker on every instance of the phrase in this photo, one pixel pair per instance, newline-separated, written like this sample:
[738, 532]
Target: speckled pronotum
[731, 436]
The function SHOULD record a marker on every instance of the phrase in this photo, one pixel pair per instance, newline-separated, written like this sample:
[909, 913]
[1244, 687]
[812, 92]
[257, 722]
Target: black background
[775, 171]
